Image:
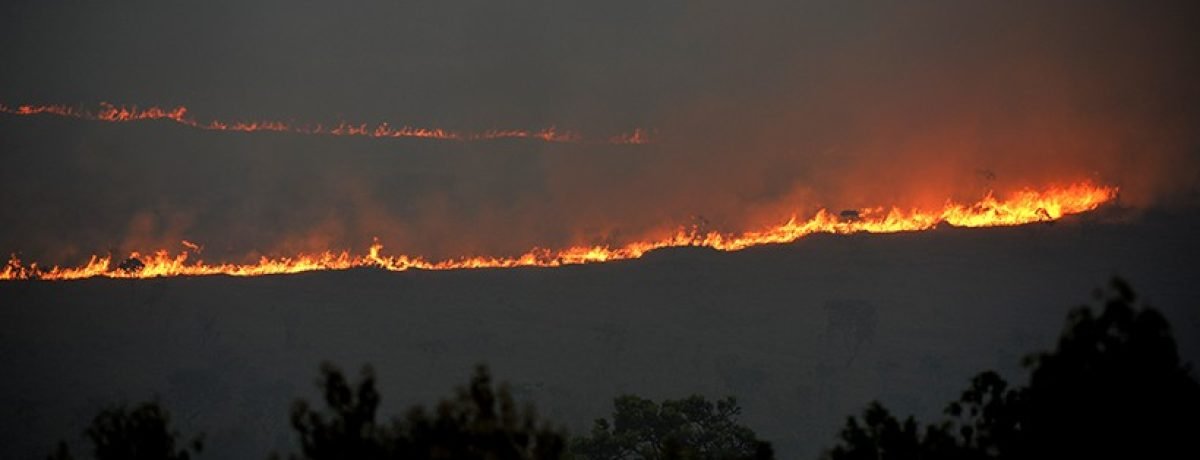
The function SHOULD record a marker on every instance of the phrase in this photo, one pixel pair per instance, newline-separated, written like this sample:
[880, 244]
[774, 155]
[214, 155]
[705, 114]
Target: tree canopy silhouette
[480, 422]
[689, 428]
[140, 433]
[1113, 387]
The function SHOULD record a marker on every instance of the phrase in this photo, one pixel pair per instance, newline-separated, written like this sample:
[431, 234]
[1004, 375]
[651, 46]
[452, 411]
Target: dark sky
[760, 111]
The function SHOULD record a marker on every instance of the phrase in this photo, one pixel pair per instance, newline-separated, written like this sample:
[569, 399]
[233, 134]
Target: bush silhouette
[480, 422]
[1113, 387]
[690, 428]
[141, 433]
[349, 430]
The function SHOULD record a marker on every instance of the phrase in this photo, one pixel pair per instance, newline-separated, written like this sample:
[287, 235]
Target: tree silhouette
[987, 419]
[879, 435]
[480, 422]
[690, 428]
[1112, 388]
[349, 431]
[142, 433]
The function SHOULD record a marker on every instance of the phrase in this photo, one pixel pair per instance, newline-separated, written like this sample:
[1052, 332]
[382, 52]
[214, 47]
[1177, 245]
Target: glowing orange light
[121, 114]
[1022, 207]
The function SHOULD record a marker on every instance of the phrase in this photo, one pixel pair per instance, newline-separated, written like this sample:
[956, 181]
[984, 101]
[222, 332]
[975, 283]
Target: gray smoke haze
[759, 111]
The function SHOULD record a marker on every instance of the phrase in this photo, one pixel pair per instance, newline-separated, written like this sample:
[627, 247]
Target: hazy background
[758, 111]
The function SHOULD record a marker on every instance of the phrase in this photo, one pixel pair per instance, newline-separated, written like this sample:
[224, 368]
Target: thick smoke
[757, 113]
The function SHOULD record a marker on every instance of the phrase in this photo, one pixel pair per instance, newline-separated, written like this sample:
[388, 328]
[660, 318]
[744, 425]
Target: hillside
[802, 334]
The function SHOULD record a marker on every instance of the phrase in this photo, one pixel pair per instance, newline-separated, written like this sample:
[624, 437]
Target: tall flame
[121, 114]
[1022, 207]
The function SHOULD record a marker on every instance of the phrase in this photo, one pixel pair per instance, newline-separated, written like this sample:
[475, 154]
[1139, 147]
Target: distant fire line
[1022, 207]
[120, 114]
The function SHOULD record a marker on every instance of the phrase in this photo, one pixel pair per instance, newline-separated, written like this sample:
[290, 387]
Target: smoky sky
[758, 111]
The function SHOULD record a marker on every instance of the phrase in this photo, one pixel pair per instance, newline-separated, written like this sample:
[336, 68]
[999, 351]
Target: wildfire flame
[122, 114]
[1022, 207]
[637, 136]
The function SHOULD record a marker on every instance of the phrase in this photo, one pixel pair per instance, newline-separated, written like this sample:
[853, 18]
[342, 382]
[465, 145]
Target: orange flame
[637, 136]
[121, 114]
[1023, 207]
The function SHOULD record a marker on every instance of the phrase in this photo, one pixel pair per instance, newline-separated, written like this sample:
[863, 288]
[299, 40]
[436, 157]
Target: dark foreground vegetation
[1113, 387]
